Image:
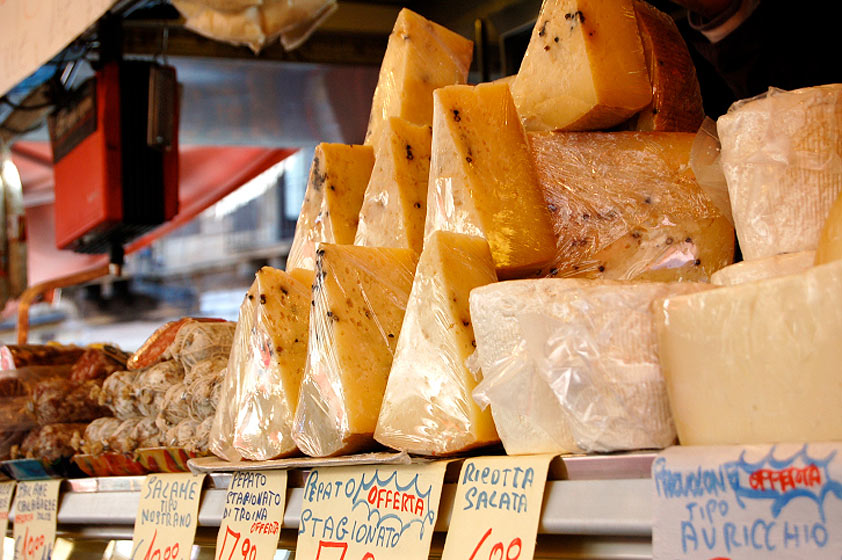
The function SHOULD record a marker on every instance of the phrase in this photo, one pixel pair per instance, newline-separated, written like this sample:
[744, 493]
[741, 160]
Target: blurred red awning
[206, 175]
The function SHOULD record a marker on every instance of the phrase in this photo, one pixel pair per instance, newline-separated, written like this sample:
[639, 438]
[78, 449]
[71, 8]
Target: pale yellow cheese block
[763, 269]
[482, 181]
[584, 68]
[626, 206]
[395, 203]
[428, 407]
[268, 356]
[359, 299]
[332, 201]
[676, 104]
[830, 240]
[421, 56]
[781, 156]
[757, 362]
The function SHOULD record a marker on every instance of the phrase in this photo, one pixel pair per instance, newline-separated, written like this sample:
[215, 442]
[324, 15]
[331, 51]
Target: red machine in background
[115, 153]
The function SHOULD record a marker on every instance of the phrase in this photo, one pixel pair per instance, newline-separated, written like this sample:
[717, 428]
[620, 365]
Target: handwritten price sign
[748, 502]
[370, 512]
[6, 491]
[36, 504]
[252, 517]
[167, 517]
[497, 508]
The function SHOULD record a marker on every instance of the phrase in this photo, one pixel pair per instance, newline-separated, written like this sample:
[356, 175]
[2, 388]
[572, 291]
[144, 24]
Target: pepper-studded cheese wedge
[421, 56]
[331, 207]
[482, 181]
[676, 104]
[359, 299]
[584, 68]
[428, 408]
[626, 206]
[395, 203]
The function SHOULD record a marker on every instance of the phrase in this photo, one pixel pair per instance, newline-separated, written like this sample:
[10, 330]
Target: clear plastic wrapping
[584, 68]
[359, 299]
[259, 393]
[762, 269]
[588, 345]
[427, 408]
[757, 362]
[782, 158]
[626, 206]
[421, 56]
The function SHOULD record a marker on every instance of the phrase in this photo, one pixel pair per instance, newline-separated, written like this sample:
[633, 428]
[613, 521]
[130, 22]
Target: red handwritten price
[247, 550]
[31, 544]
[512, 551]
[159, 553]
[342, 547]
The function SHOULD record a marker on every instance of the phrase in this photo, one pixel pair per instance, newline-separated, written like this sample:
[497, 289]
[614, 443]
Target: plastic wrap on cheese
[421, 56]
[830, 241]
[676, 104]
[331, 207]
[572, 365]
[428, 409]
[395, 204]
[482, 181]
[705, 162]
[359, 299]
[757, 362]
[762, 269]
[626, 206]
[259, 392]
[782, 158]
[584, 68]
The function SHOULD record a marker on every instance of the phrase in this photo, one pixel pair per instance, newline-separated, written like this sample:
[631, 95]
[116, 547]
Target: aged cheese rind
[359, 298]
[428, 407]
[626, 206]
[332, 201]
[676, 98]
[421, 56]
[830, 241]
[260, 390]
[574, 363]
[395, 204]
[756, 362]
[482, 181]
[763, 269]
[584, 68]
[782, 158]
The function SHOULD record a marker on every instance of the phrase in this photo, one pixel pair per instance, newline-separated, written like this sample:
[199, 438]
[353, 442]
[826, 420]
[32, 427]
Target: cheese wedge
[482, 182]
[780, 156]
[830, 240]
[572, 365]
[359, 299]
[757, 362]
[676, 104]
[625, 206]
[763, 269]
[428, 407]
[421, 56]
[584, 68]
[395, 202]
[332, 201]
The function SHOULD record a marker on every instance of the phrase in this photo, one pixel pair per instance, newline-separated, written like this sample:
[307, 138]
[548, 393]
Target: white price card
[167, 516]
[252, 516]
[748, 502]
[7, 489]
[36, 505]
[497, 508]
[385, 512]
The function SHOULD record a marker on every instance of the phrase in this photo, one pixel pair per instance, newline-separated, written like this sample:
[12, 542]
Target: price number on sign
[244, 551]
[32, 544]
[498, 551]
[154, 552]
[339, 548]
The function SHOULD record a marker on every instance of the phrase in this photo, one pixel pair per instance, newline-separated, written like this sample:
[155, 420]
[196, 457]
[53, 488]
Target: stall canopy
[206, 175]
